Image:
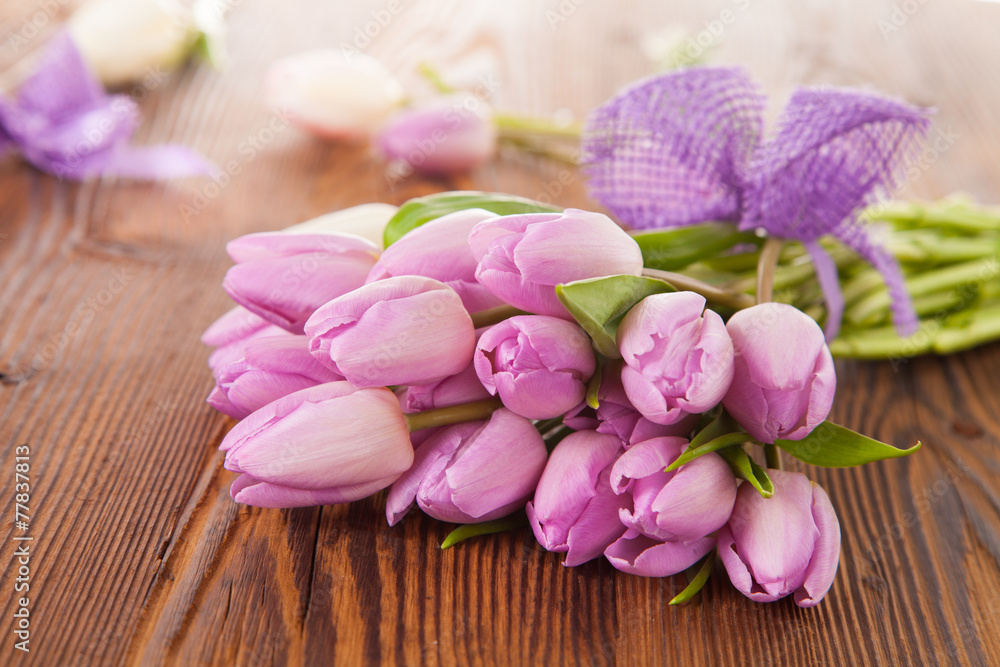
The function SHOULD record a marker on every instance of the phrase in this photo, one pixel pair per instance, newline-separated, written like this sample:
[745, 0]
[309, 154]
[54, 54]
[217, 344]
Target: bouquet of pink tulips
[500, 357]
[627, 393]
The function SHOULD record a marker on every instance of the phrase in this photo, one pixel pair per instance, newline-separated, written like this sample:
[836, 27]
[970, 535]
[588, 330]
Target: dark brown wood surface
[140, 557]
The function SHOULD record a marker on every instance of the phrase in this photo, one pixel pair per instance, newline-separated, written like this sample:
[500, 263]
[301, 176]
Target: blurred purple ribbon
[686, 148]
[63, 122]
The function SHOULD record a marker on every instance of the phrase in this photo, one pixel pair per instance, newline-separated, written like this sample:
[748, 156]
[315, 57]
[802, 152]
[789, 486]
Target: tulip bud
[615, 414]
[472, 472]
[784, 379]
[538, 365]
[442, 136]
[575, 509]
[367, 221]
[127, 40]
[674, 513]
[788, 543]
[439, 249]
[679, 506]
[463, 387]
[327, 444]
[331, 95]
[229, 332]
[398, 331]
[523, 257]
[284, 278]
[266, 369]
[678, 361]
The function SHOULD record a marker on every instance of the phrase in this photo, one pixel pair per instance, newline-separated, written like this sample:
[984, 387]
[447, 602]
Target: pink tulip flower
[677, 360]
[523, 257]
[674, 513]
[783, 545]
[228, 333]
[615, 413]
[399, 331]
[331, 443]
[784, 380]
[283, 278]
[445, 135]
[575, 510]
[472, 472]
[266, 369]
[439, 249]
[538, 365]
[463, 387]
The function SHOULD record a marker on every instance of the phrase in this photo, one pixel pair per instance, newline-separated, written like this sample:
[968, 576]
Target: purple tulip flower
[284, 278]
[398, 331]
[575, 510]
[472, 472]
[228, 334]
[266, 369]
[615, 413]
[439, 249]
[463, 387]
[674, 513]
[788, 543]
[443, 136]
[678, 361]
[523, 257]
[538, 365]
[784, 380]
[331, 443]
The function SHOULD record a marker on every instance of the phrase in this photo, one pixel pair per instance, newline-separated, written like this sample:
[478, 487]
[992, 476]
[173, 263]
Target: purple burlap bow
[686, 147]
[64, 123]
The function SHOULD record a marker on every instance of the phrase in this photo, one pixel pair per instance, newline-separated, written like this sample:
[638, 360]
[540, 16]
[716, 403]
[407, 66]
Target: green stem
[766, 267]
[491, 316]
[434, 78]
[710, 292]
[513, 125]
[455, 414]
[769, 256]
[533, 146]
[772, 457]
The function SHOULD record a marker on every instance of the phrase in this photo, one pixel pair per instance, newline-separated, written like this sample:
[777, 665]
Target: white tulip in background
[126, 41]
[333, 95]
[367, 220]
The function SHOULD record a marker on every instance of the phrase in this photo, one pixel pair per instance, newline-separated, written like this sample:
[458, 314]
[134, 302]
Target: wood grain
[140, 557]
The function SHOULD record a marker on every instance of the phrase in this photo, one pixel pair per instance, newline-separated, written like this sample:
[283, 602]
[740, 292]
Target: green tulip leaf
[833, 446]
[744, 468]
[674, 249]
[698, 581]
[416, 212]
[599, 304]
[468, 530]
[714, 445]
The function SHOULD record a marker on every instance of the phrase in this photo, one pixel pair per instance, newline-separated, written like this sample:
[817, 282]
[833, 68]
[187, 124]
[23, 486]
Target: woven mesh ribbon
[686, 147]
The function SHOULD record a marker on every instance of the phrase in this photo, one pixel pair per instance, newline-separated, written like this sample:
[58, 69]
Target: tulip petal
[279, 245]
[698, 499]
[235, 325]
[263, 494]
[826, 556]
[429, 460]
[637, 554]
[644, 459]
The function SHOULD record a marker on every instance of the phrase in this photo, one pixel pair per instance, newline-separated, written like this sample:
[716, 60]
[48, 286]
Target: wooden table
[140, 556]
